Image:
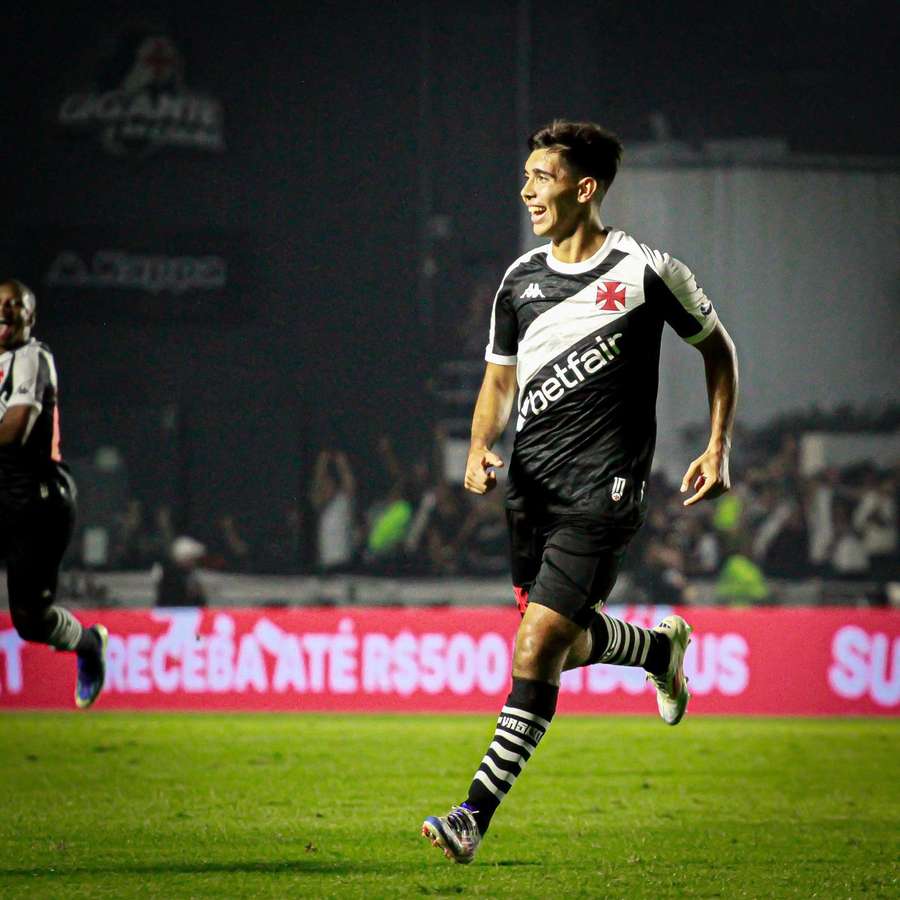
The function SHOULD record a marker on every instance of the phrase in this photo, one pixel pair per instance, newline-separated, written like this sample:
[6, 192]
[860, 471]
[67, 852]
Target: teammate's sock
[66, 632]
[520, 726]
[623, 644]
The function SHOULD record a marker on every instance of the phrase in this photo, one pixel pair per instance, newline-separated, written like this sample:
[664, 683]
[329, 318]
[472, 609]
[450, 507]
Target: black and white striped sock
[65, 631]
[521, 724]
[623, 644]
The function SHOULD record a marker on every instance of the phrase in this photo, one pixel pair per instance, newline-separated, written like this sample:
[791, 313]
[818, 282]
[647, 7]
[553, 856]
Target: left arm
[708, 473]
[14, 424]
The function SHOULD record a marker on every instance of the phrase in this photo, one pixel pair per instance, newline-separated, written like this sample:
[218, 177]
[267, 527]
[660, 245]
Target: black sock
[520, 726]
[623, 644]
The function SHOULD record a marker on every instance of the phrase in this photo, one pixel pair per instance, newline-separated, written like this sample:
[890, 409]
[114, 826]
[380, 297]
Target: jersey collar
[577, 268]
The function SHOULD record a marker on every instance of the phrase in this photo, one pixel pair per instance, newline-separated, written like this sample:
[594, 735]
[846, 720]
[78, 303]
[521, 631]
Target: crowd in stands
[375, 513]
[840, 523]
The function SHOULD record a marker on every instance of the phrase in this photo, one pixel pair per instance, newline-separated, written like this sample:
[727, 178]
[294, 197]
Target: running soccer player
[37, 495]
[576, 326]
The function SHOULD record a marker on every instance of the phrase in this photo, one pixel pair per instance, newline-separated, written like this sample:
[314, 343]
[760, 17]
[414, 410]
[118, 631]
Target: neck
[587, 238]
[13, 345]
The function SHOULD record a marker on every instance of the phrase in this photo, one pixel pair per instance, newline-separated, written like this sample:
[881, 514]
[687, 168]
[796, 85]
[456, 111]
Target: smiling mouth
[536, 212]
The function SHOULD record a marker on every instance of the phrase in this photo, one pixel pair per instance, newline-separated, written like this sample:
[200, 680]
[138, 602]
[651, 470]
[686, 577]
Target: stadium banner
[808, 661]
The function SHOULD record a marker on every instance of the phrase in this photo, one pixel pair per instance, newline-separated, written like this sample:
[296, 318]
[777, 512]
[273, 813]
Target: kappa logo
[532, 292]
[611, 296]
[618, 488]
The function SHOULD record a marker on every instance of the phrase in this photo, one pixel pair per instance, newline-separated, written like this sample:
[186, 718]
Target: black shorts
[566, 563]
[33, 540]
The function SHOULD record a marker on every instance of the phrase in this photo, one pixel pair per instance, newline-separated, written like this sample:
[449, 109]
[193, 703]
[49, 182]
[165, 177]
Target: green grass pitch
[136, 805]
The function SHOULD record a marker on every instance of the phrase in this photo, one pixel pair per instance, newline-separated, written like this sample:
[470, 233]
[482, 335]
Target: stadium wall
[757, 661]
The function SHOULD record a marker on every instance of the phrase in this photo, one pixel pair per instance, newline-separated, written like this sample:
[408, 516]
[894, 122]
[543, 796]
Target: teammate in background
[37, 495]
[576, 325]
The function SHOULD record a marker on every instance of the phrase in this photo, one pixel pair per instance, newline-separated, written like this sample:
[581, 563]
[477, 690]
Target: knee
[30, 625]
[531, 646]
[541, 650]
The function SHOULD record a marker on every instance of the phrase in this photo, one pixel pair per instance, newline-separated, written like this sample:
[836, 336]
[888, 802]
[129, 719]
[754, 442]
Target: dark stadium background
[359, 140]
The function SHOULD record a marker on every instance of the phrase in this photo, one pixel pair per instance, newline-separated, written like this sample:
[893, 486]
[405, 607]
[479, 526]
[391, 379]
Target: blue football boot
[91, 671]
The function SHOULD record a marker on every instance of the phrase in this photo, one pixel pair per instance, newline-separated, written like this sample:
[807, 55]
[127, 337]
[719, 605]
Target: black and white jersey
[28, 378]
[585, 340]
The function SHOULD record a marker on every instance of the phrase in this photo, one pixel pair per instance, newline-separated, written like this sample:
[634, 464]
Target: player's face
[551, 195]
[14, 317]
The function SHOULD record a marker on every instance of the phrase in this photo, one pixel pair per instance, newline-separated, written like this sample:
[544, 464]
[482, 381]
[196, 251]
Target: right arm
[345, 473]
[14, 424]
[492, 409]
[29, 379]
[318, 493]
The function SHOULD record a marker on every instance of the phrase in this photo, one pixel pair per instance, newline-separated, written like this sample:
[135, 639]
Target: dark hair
[590, 149]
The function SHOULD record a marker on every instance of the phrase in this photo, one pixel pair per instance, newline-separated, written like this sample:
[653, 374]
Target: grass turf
[121, 805]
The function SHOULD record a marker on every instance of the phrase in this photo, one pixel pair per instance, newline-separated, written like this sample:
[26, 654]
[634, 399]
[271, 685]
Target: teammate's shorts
[566, 563]
[33, 540]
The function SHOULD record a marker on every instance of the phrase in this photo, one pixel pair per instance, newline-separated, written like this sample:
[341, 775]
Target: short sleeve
[27, 387]
[503, 342]
[670, 286]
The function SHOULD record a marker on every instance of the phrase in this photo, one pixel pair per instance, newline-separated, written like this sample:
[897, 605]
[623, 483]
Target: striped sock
[623, 644]
[65, 632]
[520, 726]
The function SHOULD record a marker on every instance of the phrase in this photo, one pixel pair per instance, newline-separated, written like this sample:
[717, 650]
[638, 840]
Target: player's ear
[589, 189]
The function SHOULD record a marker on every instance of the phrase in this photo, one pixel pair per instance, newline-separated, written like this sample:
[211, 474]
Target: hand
[708, 476]
[480, 477]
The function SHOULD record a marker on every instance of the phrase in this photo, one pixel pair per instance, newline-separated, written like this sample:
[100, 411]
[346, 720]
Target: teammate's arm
[492, 409]
[708, 473]
[14, 424]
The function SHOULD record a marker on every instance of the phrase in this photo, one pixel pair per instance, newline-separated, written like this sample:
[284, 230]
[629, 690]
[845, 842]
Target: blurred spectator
[781, 540]
[389, 517]
[388, 520]
[702, 551]
[659, 568]
[442, 546]
[132, 546]
[418, 527]
[875, 519]
[285, 548]
[233, 550]
[333, 498]
[177, 581]
[741, 581]
[728, 519]
[163, 534]
[483, 536]
[819, 502]
[848, 558]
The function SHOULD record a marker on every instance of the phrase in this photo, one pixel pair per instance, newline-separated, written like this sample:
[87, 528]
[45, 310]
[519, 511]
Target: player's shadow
[243, 867]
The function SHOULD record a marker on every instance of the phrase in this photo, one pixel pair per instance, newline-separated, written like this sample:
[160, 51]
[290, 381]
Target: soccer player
[37, 495]
[576, 326]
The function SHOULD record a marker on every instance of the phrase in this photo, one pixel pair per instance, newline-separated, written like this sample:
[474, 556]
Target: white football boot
[457, 834]
[671, 689]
